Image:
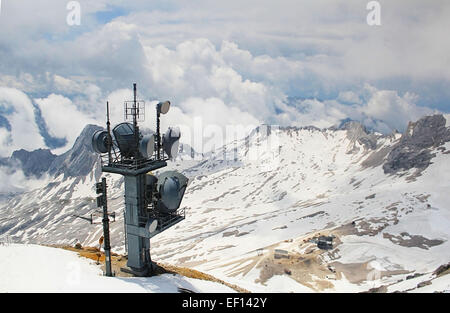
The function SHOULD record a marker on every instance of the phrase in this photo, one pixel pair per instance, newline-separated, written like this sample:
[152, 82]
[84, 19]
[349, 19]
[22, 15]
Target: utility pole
[102, 202]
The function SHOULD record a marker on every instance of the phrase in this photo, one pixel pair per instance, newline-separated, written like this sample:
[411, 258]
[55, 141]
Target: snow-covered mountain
[255, 208]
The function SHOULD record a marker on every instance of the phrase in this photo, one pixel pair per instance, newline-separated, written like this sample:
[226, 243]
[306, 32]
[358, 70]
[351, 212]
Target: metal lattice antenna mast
[134, 106]
[135, 127]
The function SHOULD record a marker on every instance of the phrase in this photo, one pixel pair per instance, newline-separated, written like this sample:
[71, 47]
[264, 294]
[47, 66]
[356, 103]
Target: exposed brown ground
[119, 261]
[407, 240]
[307, 268]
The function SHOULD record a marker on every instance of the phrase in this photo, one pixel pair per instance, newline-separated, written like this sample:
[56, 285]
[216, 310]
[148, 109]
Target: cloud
[380, 110]
[313, 112]
[331, 41]
[286, 62]
[349, 97]
[14, 180]
[197, 69]
[63, 118]
[206, 123]
[307, 49]
[394, 110]
[18, 109]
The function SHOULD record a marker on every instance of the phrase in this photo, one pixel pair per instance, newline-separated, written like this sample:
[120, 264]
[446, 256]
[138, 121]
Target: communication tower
[152, 203]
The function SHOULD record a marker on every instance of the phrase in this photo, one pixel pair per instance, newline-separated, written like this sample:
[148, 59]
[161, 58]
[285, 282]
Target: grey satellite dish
[171, 142]
[124, 134]
[99, 141]
[152, 225]
[171, 187]
[147, 146]
[163, 107]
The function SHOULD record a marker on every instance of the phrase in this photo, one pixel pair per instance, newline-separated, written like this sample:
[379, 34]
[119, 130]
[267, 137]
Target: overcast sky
[230, 62]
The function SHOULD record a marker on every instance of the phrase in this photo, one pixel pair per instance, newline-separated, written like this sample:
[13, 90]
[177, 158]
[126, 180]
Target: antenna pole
[134, 106]
[108, 127]
[158, 134]
[136, 129]
[101, 187]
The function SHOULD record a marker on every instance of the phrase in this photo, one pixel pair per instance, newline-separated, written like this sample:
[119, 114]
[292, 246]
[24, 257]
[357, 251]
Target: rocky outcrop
[80, 159]
[32, 163]
[356, 132]
[414, 149]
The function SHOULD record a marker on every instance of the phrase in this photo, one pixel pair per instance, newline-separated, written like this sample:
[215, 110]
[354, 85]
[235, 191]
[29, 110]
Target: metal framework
[131, 110]
[139, 208]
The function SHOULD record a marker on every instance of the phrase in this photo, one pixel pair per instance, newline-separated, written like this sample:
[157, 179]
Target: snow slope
[239, 215]
[32, 268]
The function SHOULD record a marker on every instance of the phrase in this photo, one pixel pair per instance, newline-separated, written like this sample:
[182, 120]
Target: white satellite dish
[151, 226]
[147, 146]
[163, 107]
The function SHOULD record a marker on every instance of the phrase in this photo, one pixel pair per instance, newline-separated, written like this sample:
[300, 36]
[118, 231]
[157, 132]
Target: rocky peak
[80, 159]
[356, 132]
[414, 147]
[430, 131]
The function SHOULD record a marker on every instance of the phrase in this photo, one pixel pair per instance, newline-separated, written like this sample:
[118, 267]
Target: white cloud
[312, 112]
[199, 118]
[381, 110]
[238, 60]
[196, 69]
[331, 39]
[19, 111]
[116, 105]
[63, 118]
[349, 97]
[5, 142]
[328, 43]
[14, 180]
[392, 109]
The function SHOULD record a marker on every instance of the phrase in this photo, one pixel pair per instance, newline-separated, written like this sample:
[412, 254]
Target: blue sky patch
[111, 13]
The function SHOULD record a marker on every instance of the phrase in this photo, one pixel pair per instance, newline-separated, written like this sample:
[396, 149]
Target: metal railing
[131, 164]
[165, 220]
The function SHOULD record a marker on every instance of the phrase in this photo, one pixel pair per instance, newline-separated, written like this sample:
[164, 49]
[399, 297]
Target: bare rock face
[77, 162]
[414, 148]
[80, 159]
[356, 132]
[33, 163]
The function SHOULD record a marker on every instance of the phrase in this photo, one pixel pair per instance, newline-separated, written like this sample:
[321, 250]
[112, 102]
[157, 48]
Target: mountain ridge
[39, 161]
